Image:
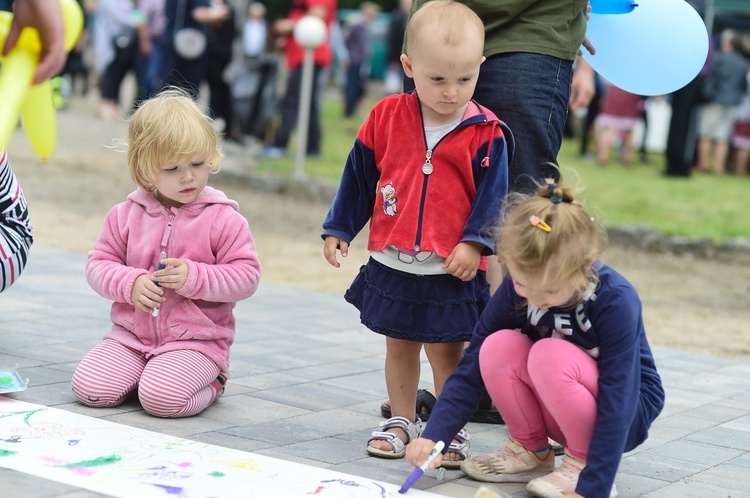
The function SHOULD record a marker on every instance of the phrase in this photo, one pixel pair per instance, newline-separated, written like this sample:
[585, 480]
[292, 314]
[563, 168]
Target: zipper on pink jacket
[168, 230]
[163, 255]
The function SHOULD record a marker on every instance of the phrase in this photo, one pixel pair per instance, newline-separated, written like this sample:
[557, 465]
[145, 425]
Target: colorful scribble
[95, 462]
[28, 413]
[164, 472]
[356, 484]
[47, 430]
[170, 490]
[146, 448]
[240, 464]
[99, 455]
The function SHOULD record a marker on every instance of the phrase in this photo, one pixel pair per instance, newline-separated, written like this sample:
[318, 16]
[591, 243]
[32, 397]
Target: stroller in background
[254, 97]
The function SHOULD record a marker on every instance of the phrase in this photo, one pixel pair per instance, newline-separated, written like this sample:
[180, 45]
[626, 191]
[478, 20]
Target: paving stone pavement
[307, 382]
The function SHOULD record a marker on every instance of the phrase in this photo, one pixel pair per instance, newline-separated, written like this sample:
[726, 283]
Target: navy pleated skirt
[421, 308]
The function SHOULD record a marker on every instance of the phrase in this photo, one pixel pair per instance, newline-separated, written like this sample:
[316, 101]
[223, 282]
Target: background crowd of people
[249, 75]
[709, 125]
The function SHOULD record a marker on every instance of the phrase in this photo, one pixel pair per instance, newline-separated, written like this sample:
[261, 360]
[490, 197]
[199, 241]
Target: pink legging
[173, 384]
[546, 388]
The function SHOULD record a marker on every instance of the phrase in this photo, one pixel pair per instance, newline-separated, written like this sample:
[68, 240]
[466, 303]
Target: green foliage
[338, 138]
[701, 206]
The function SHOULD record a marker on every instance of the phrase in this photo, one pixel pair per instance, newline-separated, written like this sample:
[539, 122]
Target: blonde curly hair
[169, 128]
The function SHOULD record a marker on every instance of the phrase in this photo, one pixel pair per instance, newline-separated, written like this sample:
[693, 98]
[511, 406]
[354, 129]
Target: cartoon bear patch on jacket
[389, 199]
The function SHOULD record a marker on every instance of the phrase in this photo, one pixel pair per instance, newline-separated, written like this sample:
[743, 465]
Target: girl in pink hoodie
[175, 257]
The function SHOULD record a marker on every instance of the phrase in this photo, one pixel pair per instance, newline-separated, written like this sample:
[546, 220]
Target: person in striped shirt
[16, 233]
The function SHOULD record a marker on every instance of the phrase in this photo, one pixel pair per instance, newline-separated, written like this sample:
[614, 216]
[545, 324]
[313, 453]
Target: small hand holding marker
[417, 473]
[162, 256]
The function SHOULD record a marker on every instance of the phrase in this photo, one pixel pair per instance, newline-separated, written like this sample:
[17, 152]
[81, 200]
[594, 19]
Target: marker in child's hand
[417, 473]
[161, 266]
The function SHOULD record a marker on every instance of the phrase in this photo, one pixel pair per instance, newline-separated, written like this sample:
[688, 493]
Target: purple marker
[163, 255]
[417, 473]
[161, 266]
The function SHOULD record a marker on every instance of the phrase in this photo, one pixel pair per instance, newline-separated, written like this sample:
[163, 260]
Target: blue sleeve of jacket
[492, 188]
[619, 323]
[460, 396]
[355, 199]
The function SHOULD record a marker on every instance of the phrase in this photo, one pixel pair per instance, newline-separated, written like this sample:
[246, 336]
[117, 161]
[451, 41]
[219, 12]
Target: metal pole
[303, 116]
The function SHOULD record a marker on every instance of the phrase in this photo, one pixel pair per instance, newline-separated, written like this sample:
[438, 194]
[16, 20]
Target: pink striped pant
[173, 384]
[547, 388]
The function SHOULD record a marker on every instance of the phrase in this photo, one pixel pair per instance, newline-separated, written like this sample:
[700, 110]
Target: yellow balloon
[16, 75]
[35, 103]
[73, 20]
[38, 119]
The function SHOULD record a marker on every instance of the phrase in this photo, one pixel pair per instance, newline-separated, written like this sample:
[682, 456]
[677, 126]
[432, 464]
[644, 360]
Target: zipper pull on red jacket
[427, 167]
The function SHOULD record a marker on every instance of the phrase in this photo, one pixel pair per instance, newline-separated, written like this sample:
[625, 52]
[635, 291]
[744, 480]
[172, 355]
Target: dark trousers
[681, 139]
[220, 98]
[254, 95]
[588, 122]
[354, 89]
[182, 73]
[290, 109]
[114, 73]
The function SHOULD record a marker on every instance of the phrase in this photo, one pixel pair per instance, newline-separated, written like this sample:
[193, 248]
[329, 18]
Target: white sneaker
[561, 481]
[513, 463]
[274, 153]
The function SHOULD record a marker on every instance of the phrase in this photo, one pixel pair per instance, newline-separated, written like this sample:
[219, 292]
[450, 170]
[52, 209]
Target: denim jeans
[530, 93]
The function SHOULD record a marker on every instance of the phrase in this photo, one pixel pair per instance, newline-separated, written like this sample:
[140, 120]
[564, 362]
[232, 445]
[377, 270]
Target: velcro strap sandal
[461, 448]
[398, 447]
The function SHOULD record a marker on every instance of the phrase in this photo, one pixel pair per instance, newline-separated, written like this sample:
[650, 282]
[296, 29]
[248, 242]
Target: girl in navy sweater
[562, 350]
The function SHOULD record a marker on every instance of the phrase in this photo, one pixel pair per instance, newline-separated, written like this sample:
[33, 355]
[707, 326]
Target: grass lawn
[702, 206]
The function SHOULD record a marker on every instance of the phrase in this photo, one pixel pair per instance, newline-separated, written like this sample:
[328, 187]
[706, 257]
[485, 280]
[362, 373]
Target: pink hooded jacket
[212, 237]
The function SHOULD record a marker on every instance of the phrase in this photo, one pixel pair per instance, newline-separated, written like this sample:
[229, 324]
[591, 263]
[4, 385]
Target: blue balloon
[612, 6]
[657, 49]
